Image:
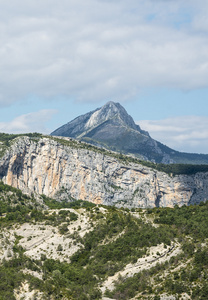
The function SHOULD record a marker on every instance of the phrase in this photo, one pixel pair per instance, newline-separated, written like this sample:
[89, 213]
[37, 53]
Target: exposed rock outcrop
[51, 168]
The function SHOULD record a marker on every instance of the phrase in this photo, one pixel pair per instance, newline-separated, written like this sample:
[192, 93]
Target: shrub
[59, 248]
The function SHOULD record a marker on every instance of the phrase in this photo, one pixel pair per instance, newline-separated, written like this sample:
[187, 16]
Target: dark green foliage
[80, 282]
[127, 288]
[191, 279]
[18, 207]
[59, 248]
[5, 137]
[177, 169]
[9, 280]
[201, 258]
[54, 204]
[14, 205]
[11, 275]
[60, 279]
[109, 258]
[189, 220]
[73, 216]
[63, 229]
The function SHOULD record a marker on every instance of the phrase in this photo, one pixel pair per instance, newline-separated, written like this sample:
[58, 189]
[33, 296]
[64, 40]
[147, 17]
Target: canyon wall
[48, 167]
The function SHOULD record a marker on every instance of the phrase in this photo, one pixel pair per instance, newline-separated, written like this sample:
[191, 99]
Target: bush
[59, 248]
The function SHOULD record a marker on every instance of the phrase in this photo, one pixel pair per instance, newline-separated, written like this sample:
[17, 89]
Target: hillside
[53, 250]
[112, 128]
[66, 169]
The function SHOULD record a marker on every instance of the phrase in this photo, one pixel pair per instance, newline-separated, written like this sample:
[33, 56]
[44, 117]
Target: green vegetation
[117, 237]
[54, 204]
[110, 257]
[189, 220]
[115, 187]
[12, 276]
[185, 273]
[5, 137]
[177, 169]
[14, 205]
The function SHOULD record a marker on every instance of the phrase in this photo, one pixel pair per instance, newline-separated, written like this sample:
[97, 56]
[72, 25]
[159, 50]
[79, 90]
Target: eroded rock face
[47, 167]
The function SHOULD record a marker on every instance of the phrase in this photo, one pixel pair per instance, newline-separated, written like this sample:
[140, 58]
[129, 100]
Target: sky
[61, 59]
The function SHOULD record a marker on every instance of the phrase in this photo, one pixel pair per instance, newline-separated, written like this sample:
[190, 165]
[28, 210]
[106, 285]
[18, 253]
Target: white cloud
[32, 122]
[185, 133]
[97, 49]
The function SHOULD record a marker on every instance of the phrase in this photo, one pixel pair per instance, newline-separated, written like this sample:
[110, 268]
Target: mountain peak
[109, 111]
[111, 127]
[111, 121]
[112, 105]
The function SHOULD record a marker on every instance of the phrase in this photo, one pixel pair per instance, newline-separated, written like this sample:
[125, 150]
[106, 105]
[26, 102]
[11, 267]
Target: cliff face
[48, 167]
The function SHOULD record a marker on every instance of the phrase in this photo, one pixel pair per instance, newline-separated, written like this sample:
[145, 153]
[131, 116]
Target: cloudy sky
[60, 59]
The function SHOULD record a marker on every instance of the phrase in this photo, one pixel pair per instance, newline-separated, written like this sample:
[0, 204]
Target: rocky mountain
[112, 128]
[68, 169]
[58, 247]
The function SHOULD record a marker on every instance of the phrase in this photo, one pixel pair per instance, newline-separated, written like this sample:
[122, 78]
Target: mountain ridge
[113, 128]
[98, 116]
[69, 169]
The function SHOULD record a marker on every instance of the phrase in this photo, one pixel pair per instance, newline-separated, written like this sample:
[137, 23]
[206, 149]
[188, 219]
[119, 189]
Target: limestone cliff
[45, 166]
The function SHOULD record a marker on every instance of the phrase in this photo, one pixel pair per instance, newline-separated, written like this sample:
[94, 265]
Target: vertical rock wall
[47, 167]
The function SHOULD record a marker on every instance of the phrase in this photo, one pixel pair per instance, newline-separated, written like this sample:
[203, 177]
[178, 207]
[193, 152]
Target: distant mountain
[111, 127]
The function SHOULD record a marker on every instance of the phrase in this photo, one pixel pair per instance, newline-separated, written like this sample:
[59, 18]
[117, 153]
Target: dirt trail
[37, 243]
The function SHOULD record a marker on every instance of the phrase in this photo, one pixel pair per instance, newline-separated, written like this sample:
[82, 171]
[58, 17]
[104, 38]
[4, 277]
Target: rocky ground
[39, 239]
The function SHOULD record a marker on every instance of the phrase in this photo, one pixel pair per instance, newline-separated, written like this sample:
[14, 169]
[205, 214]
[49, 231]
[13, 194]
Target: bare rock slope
[47, 166]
